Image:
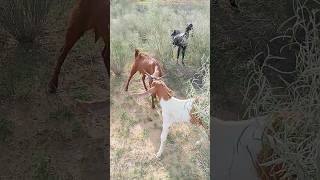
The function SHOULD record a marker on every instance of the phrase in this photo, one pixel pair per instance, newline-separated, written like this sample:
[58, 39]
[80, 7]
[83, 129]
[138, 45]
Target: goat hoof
[198, 143]
[158, 155]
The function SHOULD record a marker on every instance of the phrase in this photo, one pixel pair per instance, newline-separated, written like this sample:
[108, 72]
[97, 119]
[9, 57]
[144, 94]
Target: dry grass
[51, 137]
[295, 141]
[135, 138]
[148, 26]
[135, 127]
[25, 20]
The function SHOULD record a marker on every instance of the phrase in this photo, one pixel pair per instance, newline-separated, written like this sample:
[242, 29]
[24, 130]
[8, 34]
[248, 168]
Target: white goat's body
[176, 110]
[173, 111]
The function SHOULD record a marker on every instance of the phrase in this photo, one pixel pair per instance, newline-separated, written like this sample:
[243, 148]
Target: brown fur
[196, 120]
[162, 91]
[145, 64]
[269, 172]
[85, 15]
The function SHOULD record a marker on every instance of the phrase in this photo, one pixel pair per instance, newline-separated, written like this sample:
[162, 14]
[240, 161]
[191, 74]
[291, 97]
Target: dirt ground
[237, 36]
[53, 136]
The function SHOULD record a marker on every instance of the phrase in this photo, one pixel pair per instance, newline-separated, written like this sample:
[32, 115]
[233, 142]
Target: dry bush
[199, 87]
[291, 148]
[24, 19]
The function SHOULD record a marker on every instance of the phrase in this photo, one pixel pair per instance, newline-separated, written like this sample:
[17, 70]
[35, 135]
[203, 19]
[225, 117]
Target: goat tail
[195, 119]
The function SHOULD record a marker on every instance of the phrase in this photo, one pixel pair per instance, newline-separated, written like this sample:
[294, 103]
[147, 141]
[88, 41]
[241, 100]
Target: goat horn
[163, 76]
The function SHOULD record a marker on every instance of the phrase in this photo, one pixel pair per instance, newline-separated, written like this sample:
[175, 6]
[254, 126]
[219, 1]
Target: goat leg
[105, 60]
[133, 71]
[178, 53]
[144, 83]
[152, 101]
[72, 37]
[183, 52]
[164, 134]
[152, 97]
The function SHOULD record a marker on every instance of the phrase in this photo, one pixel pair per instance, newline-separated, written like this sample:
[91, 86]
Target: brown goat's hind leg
[133, 71]
[144, 83]
[152, 101]
[72, 37]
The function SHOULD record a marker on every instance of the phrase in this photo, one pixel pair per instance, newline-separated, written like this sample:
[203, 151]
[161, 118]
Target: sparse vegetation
[58, 139]
[147, 25]
[5, 129]
[41, 167]
[199, 87]
[63, 113]
[24, 19]
[145, 133]
[127, 122]
[81, 93]
[291, 147]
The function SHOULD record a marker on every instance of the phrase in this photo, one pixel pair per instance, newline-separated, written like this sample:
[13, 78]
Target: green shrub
[119, 56]
[24, 19]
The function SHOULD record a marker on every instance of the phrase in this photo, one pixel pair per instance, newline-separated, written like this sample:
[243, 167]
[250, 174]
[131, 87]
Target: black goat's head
[189, 27]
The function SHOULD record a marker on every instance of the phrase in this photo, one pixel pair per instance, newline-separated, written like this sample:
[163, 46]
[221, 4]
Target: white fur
[173, 111]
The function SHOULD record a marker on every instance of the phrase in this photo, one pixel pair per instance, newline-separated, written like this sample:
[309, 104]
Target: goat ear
[137, 52]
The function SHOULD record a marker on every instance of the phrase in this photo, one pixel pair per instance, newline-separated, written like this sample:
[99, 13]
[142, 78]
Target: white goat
[173, 110]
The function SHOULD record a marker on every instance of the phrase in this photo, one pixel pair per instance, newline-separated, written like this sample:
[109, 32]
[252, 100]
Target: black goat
[181, 40]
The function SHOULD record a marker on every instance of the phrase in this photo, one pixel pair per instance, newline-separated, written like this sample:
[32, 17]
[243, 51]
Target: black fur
[181, 40]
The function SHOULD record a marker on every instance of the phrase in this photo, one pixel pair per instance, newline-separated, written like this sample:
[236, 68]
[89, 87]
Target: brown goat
[85, 15]
[145, 64]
